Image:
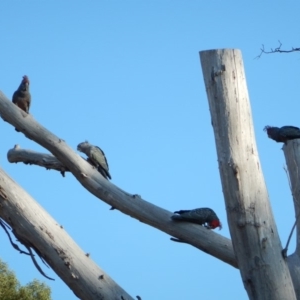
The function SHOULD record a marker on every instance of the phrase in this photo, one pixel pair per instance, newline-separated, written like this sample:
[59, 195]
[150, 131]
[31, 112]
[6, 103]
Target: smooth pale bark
[292, 157]
[29, 157]
[253, 230]
[206, 240]
[34, 227]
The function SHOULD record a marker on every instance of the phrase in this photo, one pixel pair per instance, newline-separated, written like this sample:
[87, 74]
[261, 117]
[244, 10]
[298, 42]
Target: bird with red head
[202, 216]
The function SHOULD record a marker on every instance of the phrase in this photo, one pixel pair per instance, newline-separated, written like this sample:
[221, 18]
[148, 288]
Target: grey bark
[36, 229]
[292, 157]
[253, 230]
[30, 157]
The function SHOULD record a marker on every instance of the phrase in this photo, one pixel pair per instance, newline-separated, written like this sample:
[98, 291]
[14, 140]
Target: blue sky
[126, 76]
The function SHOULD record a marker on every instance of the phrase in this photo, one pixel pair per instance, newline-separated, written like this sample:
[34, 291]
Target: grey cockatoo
[96, 157]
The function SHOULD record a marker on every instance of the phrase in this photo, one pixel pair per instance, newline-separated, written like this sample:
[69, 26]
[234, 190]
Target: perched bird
[21, 96]
[283, 134]
[96, 157]
[202, 216]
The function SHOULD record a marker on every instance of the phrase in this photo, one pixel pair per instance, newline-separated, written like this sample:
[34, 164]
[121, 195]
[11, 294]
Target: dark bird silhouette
[202, 216]
[282, 134]
[22, 97]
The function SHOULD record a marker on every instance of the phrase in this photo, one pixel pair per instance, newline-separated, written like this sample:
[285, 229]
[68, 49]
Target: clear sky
[126, 76]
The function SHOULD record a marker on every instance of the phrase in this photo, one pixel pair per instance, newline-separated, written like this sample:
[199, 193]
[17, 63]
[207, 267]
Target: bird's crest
[267, 127]
[25, 79]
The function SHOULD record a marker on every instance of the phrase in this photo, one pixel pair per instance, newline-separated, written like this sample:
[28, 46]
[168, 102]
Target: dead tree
[256, 249]
[252, 227]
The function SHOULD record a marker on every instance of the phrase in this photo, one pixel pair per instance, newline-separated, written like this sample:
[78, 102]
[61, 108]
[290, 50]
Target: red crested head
[214, 224]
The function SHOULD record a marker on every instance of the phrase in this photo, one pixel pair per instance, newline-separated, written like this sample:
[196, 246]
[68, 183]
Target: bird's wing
[193, 216]
[290, 127]
[28, 102]
[182, 211]
[15, 97]
[290, 131]
[98, 156]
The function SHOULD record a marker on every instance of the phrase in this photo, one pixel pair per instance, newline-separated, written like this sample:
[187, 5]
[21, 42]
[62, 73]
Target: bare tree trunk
[292, 157]
[253, 230]
[36, 229]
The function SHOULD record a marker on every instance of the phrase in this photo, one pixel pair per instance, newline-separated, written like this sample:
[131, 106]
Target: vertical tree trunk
[254, 234]
[292, 158]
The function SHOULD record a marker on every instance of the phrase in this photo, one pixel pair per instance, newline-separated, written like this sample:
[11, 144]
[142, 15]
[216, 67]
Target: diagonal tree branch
[276, 50]
[132, 205]
[36, 229]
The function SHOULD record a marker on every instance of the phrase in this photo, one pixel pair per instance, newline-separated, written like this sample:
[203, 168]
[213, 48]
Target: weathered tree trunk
[254, 234]
[292, 157]
[36, 229]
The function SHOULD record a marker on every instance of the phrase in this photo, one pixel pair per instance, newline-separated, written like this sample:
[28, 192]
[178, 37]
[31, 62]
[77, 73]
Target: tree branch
[35, 228]
[15, 246]
[276, 50]
[29, 157]
[201, 238]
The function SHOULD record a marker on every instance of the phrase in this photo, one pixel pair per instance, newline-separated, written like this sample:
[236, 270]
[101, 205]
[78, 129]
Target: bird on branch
[96, 157]
[22, 97]
[202, 216]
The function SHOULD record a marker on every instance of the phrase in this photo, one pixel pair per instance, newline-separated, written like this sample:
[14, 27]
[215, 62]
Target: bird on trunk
[202, 216]
[22, 97]
[282, 134]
